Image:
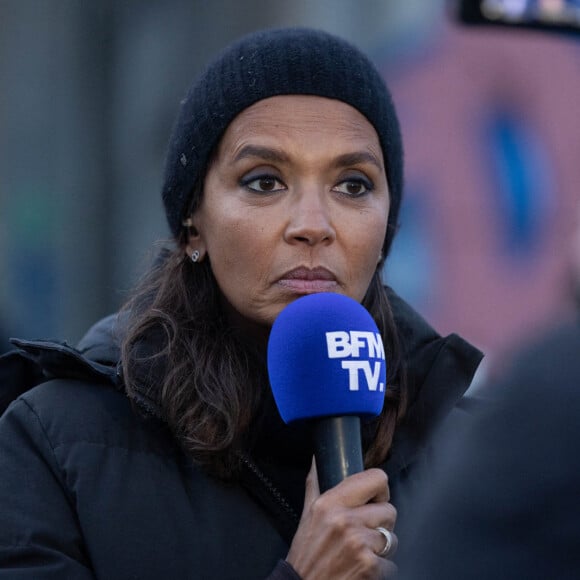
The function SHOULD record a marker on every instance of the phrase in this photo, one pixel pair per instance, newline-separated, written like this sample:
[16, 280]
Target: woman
[283, 178]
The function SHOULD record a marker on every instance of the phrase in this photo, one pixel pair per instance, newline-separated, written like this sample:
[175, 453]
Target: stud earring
[195, 256]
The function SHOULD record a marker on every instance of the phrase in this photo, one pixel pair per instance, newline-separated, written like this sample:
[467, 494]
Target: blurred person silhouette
[155, 449]
[506, 503]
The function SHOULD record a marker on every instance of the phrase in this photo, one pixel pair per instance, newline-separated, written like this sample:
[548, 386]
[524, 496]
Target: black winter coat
[91, 487]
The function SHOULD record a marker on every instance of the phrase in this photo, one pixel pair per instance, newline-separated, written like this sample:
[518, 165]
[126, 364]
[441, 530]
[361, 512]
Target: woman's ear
[195, 247]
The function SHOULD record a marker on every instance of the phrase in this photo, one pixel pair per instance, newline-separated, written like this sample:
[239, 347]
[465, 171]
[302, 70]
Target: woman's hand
[337, 536]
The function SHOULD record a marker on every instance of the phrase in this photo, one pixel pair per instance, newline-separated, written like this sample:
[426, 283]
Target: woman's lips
[305, 280]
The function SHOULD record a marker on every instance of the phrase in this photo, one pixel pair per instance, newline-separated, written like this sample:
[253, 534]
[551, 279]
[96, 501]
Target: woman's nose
[309, 220]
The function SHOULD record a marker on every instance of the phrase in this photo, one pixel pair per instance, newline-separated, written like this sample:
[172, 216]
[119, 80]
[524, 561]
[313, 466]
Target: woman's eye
[263, 184]
[354, 187]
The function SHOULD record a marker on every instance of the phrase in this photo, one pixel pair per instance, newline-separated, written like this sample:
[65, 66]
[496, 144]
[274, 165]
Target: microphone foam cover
[326, 358]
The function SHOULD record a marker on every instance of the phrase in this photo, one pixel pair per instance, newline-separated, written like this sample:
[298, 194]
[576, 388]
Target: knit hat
[294, 61]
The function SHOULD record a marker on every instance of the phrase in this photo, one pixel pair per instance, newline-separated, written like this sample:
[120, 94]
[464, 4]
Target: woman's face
[295, 202]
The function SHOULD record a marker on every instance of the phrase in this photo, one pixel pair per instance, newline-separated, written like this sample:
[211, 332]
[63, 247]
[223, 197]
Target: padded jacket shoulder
[96, 491]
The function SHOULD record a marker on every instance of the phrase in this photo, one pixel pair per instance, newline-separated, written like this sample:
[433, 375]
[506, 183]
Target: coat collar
[439, 371]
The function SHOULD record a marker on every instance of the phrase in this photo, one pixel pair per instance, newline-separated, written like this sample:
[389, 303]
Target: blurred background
[89, 92]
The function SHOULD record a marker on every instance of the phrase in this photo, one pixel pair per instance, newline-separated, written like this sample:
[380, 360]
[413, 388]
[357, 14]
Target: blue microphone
[326, 363]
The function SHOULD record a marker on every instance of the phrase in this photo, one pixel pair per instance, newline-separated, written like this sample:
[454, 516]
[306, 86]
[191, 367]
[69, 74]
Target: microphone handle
[337, 449]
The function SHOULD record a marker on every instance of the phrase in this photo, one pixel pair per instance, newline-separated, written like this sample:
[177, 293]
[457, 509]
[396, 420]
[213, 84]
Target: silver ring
[389, 542]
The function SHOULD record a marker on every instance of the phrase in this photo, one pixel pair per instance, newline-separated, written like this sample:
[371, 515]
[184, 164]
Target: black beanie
[294, 61]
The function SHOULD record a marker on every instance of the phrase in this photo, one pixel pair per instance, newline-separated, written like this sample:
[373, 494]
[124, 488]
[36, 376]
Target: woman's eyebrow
[356, 158]
[265, 153]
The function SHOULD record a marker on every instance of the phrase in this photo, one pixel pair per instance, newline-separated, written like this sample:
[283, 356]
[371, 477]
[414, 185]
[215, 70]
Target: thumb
[312, 490]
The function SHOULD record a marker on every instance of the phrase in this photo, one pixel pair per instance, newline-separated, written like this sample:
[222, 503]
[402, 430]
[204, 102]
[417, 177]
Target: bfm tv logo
[342, 344]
